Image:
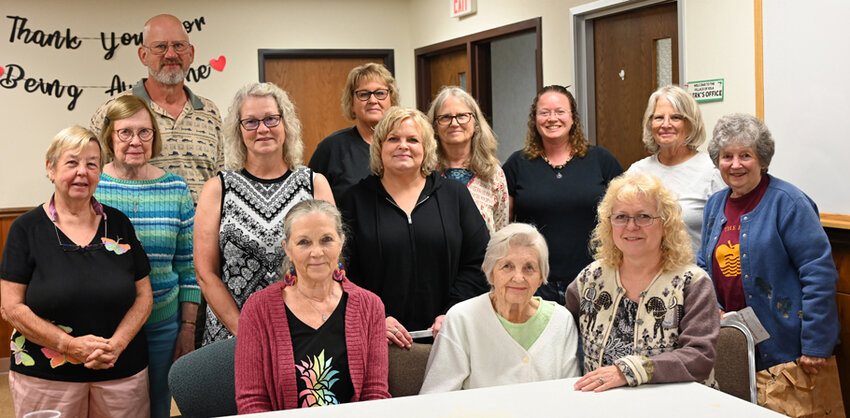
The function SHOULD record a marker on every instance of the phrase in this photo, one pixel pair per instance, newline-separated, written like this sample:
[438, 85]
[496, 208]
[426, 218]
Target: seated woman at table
[646, 314]
[314, 338]
[508, 335]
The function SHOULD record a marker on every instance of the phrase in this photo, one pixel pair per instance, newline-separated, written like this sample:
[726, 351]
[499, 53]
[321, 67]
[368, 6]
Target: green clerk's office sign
[706, 90]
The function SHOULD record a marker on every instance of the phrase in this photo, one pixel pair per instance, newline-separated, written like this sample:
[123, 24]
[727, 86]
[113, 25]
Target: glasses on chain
[126, 134]
[160, 48]
[74, 247]
[253, 124]
[461, 118]
[641, 220]
[363, 95]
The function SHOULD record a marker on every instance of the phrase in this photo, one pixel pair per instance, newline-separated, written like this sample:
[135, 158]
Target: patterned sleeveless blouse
[251, 234]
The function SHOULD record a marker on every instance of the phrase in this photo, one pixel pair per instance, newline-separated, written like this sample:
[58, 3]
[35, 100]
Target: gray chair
[407, 369]
[735, 368]
[202, 381]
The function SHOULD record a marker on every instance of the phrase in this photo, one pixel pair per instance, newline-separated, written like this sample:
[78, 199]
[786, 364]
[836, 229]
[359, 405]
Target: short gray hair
[234, 146]
[682, 103]
[742, 129]
[516, 235]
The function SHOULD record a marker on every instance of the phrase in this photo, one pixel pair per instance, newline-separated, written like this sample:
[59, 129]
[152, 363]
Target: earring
[289, 278]
[339, 273]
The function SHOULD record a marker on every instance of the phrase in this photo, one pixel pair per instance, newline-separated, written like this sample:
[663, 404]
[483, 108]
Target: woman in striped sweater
[160, 207]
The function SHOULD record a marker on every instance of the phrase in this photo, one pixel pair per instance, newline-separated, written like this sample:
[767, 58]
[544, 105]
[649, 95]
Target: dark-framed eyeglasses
[363, 95]
[253, 124]
[641, 220]
[160, 48]
[74, 247]
[461, 118]
[127, 134]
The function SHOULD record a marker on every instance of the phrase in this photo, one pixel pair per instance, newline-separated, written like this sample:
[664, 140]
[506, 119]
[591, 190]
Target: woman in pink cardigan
[315, 338]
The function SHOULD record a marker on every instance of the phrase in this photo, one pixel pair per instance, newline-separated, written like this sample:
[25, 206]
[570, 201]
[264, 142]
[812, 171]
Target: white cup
[47, 413]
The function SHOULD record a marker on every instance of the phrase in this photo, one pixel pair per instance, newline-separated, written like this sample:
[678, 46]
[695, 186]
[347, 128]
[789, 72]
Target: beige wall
[718, 41]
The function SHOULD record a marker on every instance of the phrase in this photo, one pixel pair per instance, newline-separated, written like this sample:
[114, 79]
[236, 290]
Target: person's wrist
[187, 323]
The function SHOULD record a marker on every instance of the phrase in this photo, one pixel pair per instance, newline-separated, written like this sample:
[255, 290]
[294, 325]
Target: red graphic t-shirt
[726, 263]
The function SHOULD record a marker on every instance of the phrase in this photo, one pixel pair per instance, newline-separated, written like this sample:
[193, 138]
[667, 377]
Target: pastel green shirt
[526, 333]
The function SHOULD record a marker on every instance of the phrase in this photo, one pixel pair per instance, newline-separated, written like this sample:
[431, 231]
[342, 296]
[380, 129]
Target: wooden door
[315, 84]
[626, 47]
[448, 69]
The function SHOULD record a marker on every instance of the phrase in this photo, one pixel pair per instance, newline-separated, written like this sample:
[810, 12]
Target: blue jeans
[162, 336]
[554, 291]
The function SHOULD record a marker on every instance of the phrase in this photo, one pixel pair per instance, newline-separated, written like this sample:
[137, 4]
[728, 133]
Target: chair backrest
[407, 369]
[735, 368]
[202, 381]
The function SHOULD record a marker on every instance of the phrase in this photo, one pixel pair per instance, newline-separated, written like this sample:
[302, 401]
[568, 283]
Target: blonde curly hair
[676, 248]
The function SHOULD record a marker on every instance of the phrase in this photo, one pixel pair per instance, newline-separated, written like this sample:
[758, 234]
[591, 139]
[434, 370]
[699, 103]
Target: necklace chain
[310, 301]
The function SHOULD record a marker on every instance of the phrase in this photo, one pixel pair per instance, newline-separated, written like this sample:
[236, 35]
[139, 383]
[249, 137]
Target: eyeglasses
[253, 124]
[126, 134]
[363, 95]
[641, 220]
[545, 114]
[160, 48]
[74, 247]
[461, 118]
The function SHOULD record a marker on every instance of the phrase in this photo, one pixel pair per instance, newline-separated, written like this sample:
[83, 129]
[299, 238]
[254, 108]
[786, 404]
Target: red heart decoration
[218, 64]
[1, 70]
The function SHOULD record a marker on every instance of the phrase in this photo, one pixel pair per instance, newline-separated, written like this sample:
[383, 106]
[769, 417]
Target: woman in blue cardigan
[765, 248]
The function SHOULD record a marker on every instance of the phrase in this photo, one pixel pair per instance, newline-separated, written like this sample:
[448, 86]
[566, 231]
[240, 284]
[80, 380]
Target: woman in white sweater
[508, 335]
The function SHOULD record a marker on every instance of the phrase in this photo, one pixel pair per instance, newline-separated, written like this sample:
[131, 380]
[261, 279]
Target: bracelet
[186, 321]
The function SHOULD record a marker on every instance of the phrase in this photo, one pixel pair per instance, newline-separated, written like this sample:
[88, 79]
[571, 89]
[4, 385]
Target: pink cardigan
[265, 365]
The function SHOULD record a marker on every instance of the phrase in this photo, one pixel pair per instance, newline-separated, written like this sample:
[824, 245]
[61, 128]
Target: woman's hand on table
[601, 379]
[397, 334]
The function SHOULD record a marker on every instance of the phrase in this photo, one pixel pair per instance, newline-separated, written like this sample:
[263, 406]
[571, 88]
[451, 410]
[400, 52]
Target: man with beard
[192, 147]
[190, 125]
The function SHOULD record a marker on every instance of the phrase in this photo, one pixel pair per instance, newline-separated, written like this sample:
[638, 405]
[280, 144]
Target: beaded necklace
[559, 167]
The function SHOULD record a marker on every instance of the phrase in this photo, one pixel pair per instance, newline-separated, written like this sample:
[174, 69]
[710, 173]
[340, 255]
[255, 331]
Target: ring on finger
[395, 331]
[601, 381]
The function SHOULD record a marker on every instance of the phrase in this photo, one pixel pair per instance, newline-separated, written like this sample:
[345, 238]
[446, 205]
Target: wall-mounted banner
[706, 90]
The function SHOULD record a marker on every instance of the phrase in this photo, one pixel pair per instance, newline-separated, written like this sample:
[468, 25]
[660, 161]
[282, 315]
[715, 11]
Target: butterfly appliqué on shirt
[115, 246]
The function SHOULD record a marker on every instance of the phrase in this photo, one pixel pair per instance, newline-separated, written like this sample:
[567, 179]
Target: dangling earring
[339, 273]
[289, 278]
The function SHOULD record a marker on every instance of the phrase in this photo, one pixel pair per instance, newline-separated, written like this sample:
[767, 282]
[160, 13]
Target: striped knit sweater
[162, 212]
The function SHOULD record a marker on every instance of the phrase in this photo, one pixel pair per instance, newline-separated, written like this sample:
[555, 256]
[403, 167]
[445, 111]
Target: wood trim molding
[759, 55]
[14, 212]
[831, 220]
[388, 55]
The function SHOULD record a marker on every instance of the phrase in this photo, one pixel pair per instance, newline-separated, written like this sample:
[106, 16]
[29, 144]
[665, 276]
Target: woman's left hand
[601, 379]
[185, 341]
[435, 327]
[811, 365]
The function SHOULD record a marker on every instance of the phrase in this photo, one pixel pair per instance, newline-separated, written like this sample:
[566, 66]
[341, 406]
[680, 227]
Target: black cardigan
[419, 265]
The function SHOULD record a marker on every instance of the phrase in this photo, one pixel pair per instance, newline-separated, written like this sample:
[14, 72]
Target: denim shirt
[787, 271]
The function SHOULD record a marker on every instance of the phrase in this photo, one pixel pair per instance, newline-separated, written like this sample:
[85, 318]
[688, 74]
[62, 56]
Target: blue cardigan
[787, 271]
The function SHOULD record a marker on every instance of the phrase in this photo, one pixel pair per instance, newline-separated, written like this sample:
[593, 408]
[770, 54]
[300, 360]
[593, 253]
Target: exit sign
[463, 7]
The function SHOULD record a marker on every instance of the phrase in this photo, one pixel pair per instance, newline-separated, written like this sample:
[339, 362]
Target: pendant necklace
[559, 167]
[310, 301]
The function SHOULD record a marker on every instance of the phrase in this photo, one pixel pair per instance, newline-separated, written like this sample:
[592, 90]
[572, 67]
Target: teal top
[163, 214]
[526, 333]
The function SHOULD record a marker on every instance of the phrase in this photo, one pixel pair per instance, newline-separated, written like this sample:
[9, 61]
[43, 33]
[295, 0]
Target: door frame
[478, 60]
[388, 55]
[581, 26]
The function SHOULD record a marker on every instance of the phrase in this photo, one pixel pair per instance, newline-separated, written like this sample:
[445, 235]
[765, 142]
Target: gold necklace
[310, 301]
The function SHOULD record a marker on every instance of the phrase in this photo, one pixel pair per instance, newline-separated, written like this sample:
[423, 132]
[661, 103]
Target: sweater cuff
[636, 369]
[189, 294]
